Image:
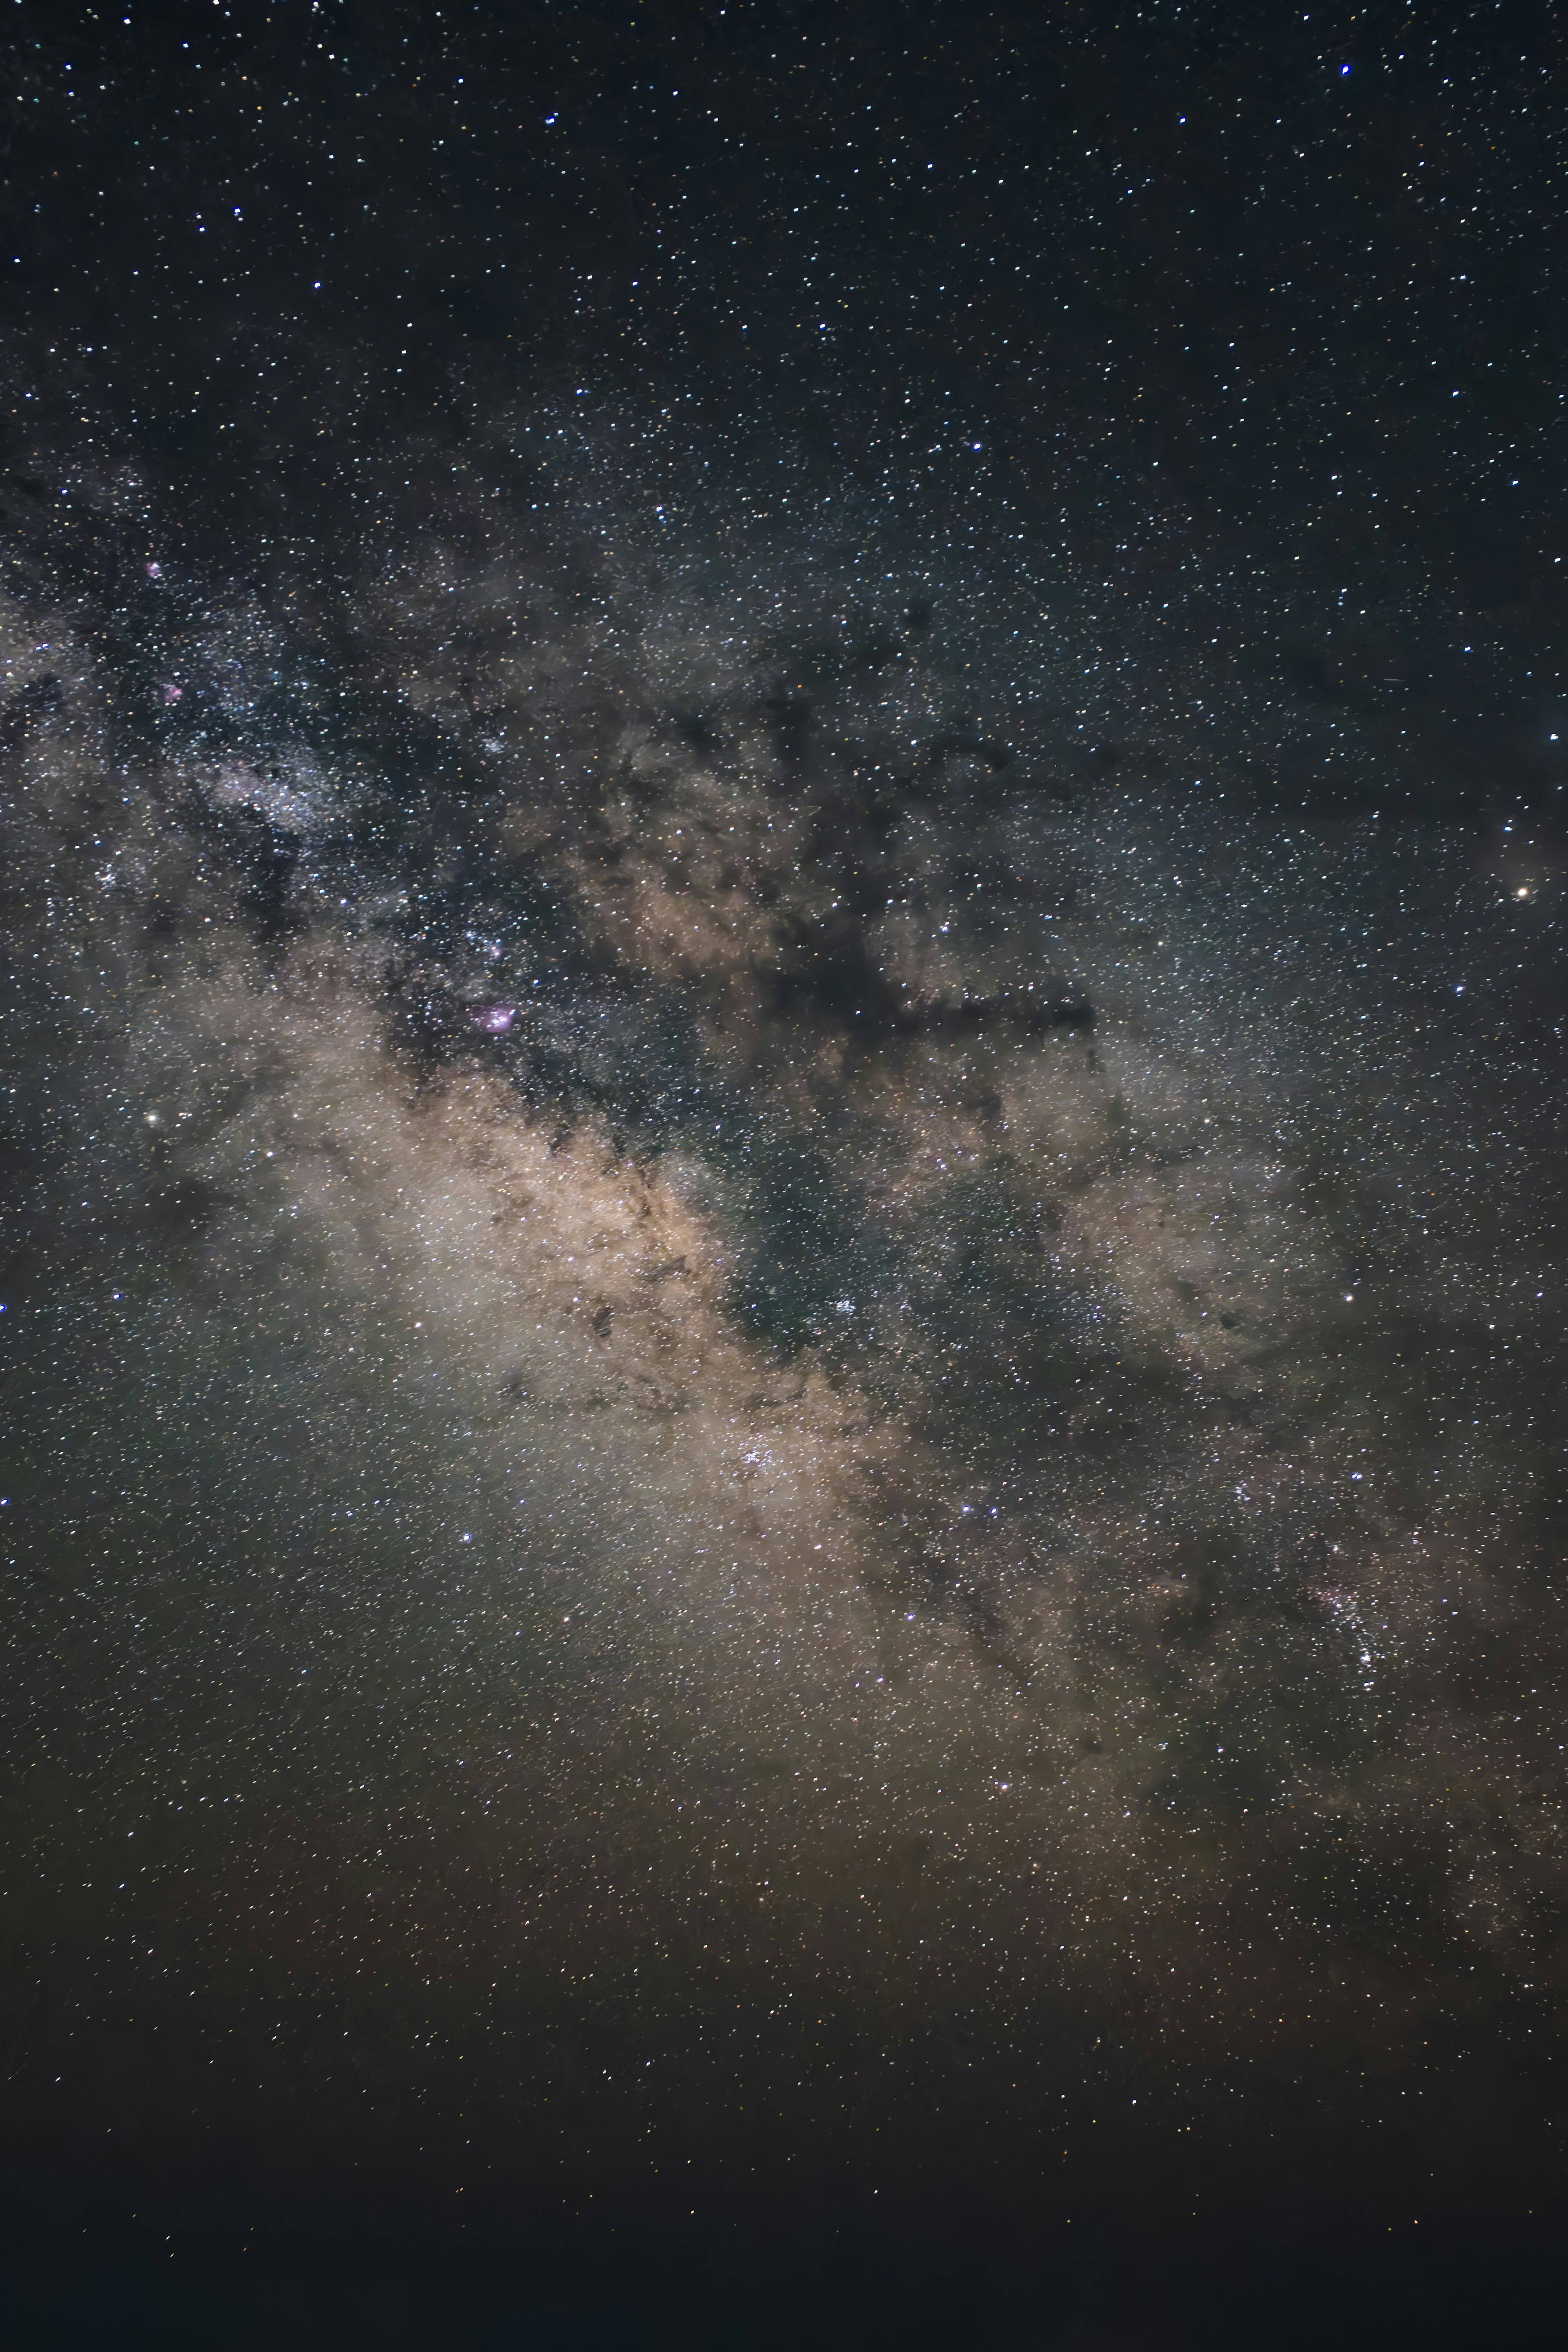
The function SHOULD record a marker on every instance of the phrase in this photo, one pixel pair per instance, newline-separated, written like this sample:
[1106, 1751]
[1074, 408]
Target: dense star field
[784, 1231]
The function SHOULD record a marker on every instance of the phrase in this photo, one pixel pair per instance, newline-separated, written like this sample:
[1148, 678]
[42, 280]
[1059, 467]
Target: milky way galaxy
[785, 1390]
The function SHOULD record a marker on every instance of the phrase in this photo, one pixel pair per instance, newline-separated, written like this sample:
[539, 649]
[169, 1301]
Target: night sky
[783, 1238]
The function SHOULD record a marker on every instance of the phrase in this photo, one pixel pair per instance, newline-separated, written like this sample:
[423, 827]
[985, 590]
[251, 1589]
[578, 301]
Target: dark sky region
[785, 1244]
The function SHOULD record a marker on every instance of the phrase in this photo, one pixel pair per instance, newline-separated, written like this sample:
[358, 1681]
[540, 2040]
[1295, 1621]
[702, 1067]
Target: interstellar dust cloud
[745, 1345]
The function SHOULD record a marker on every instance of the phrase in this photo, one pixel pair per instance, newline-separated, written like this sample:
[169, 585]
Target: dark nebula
[783, 1227]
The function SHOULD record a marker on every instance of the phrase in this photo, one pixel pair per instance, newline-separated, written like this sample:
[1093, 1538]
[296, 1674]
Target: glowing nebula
[493, 1020]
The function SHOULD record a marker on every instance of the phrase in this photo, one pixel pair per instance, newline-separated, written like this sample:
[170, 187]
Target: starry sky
[784, 1248]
